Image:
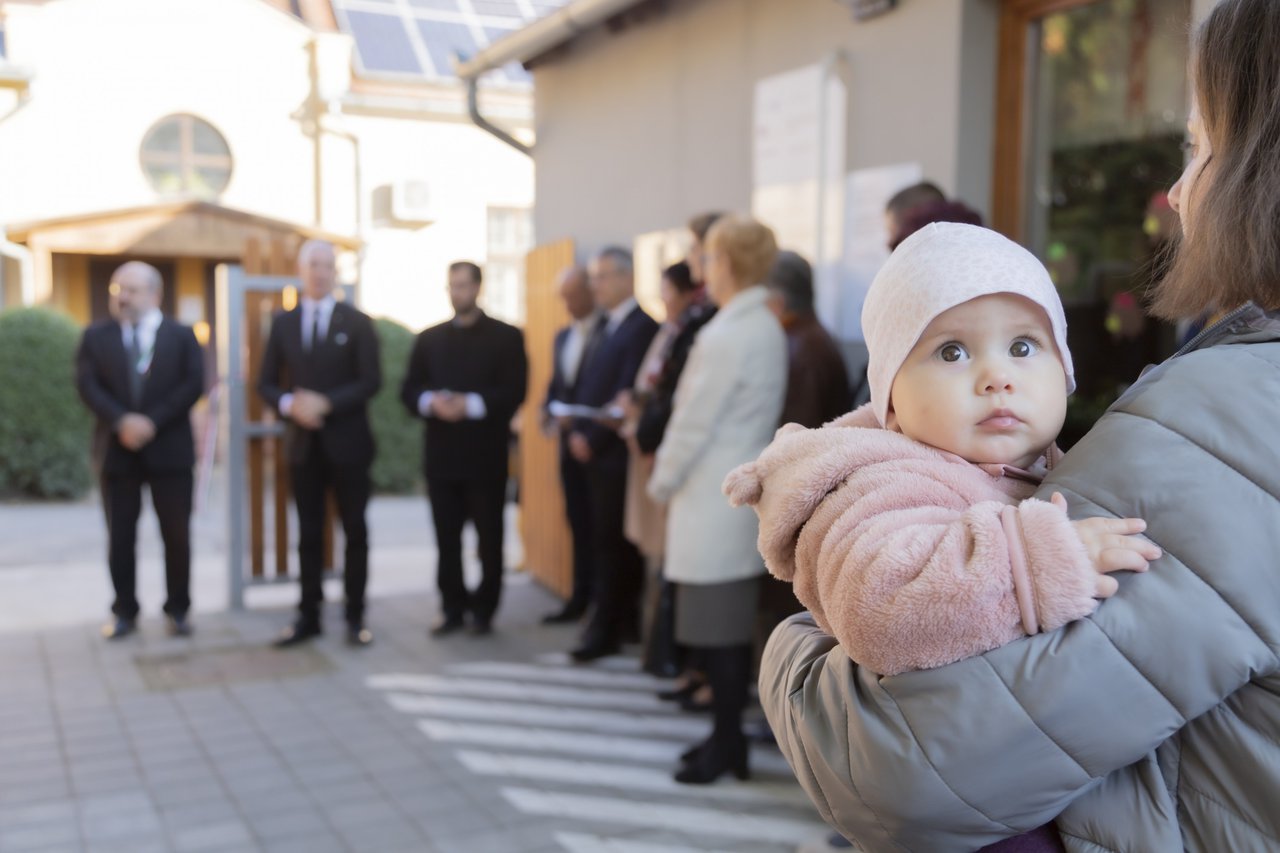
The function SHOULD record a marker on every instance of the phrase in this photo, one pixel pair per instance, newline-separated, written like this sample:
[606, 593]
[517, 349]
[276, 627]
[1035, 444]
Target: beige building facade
[1059, 121]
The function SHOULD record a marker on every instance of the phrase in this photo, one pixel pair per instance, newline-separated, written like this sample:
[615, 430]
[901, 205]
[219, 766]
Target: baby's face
[984, 382]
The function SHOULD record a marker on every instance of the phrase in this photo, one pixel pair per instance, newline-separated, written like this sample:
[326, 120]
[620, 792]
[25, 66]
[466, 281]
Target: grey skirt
[717, 614]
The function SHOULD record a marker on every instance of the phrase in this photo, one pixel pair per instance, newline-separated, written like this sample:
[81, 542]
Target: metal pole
[230, 287]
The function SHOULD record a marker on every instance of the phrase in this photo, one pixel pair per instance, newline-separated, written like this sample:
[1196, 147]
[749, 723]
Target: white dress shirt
[575, 346]
[146, 330]
[619, 313]
[309, 307]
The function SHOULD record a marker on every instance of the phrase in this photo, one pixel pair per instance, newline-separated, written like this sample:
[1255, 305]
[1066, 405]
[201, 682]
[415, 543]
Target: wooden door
[548, 547]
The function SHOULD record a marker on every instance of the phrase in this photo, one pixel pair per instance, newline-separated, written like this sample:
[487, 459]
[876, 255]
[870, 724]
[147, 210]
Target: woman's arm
[958, 757]
[706, 387]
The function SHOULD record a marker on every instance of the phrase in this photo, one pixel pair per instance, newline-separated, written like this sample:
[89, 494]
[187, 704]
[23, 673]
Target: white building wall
[105, 72]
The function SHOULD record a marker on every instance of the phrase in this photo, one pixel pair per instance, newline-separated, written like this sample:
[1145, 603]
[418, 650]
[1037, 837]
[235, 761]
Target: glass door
[1093, 105]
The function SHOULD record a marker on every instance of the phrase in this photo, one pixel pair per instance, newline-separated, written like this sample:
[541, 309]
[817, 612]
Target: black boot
[728, 673]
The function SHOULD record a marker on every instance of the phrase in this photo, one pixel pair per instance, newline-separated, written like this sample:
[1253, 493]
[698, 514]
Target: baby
[907, 526]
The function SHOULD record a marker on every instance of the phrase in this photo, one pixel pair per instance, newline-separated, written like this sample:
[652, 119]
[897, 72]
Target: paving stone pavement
[220, 743]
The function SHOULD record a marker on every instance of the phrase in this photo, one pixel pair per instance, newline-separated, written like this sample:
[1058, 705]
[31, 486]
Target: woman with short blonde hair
[726, 409]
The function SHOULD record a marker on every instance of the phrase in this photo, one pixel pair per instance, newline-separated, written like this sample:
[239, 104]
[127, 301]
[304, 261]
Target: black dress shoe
[564, 615]
[713, 760]
[588, 652]
[177, 626]
[297, 633]
[481, 627]
[448, 625]
[120, 628]
[358, 635]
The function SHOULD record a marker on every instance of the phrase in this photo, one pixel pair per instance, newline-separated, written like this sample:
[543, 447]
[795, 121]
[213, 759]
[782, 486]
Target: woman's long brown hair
[1231, 254]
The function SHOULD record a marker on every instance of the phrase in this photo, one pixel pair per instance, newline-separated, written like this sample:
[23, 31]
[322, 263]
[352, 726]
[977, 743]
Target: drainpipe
[473, 109]
[537, 38]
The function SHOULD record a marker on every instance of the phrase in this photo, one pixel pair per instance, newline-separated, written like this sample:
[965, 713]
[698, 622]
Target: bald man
[569, 350]
[319, 371]
[140, 373]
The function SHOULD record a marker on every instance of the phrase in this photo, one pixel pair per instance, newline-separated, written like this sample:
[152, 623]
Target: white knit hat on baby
[943, 265]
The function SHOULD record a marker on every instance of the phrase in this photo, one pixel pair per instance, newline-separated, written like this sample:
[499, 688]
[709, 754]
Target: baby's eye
[952, 352]
[1023, 348]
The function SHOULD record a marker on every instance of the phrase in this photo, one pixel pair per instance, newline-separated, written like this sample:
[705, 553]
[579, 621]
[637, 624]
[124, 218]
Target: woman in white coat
[726, 410]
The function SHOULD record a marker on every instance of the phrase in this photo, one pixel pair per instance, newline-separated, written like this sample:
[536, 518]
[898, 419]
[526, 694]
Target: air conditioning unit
[407, 204]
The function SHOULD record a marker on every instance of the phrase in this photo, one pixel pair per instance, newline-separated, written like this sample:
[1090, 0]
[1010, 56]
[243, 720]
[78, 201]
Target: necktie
[135, 358]
[314, 339]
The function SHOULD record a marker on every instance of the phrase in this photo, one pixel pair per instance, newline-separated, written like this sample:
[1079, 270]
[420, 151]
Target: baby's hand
[1113, 546]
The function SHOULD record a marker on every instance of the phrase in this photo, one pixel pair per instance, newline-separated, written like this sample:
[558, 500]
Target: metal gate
[255, 458]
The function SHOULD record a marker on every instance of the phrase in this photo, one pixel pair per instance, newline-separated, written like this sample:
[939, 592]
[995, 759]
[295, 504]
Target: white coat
[727, 406]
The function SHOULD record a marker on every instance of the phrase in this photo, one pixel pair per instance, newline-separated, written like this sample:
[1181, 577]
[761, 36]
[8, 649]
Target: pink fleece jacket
[910, 556]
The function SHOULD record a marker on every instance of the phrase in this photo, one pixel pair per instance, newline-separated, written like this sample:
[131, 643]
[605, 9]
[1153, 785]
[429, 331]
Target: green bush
[397, 469]
[45, 431]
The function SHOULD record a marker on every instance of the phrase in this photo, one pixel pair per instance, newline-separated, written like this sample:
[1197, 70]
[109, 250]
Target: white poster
[866, 240]
[799, 124]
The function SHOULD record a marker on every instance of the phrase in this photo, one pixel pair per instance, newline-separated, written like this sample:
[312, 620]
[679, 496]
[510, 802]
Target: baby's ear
[743, 485]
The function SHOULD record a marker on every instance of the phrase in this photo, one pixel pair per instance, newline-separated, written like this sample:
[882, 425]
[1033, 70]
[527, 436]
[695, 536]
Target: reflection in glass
[1108, 111]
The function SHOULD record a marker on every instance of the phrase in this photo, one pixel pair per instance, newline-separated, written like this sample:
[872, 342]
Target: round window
[185, 155]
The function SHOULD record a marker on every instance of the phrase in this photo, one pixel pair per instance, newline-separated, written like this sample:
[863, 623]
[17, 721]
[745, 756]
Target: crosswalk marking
[612, 663]
[533, 739]
[594, 747]
[592, 698]
[586, 677]
[581, 842]
[669, 816]
[652, 780]
[487, 710]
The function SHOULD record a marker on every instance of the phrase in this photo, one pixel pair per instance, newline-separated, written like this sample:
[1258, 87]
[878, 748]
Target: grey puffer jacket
[1151, 726]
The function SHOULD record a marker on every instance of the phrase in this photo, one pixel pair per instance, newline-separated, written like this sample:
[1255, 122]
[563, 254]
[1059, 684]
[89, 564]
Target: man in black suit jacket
[466, 378]
[140, 373]
[572, 344]
[319, 371]
[609, 369]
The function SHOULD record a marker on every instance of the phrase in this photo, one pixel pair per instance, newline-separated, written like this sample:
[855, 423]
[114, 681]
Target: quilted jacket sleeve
[955, 758]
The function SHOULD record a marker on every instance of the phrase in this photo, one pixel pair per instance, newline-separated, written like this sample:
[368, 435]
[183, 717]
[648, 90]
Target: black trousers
[171, 495]
[453, 503]
[618, 563]
[577, 507]
[312, 477]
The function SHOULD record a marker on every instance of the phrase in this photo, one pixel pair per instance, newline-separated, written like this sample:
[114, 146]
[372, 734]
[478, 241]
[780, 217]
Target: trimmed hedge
[45, 431]
[397, 469]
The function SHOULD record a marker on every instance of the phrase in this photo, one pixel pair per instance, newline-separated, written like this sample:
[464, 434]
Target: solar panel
[498, 9]
[443, 40]
[421, 37]
[382, 43]
[439, 5]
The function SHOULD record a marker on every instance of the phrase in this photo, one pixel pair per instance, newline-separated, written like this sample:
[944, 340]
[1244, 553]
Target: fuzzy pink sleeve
[907, 575]
[1059, 581]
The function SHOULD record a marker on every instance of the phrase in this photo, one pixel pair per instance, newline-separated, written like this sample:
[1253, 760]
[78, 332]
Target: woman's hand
[1113, 545]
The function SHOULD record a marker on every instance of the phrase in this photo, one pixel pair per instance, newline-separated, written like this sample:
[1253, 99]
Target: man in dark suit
[572, 344]
[140, 373]
[319, 371]
[466, 378]
[609, 369]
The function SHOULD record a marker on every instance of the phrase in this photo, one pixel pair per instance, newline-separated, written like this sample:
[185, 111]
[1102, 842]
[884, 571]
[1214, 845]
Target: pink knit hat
[937, 268]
